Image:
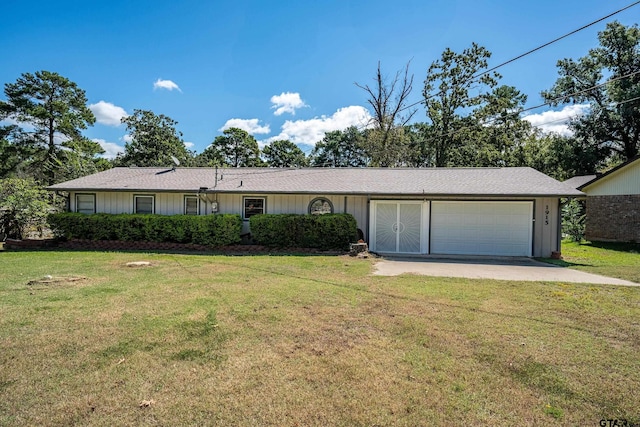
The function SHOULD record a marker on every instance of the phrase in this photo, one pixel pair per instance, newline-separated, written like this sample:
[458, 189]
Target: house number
[546, 215]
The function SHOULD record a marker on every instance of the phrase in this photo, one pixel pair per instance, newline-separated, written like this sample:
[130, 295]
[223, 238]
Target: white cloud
[189, 144]
[313, 130]
[111, 149]
[557, 121]
[108, 114]
[251, 126]
[25, 126]
[127, 138]
[287, 102]
[166, 84]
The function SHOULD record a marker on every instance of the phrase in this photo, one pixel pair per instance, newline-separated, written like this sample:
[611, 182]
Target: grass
[304, 340]
[621, 260]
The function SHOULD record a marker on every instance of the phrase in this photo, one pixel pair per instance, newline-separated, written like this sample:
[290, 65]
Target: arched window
[320, 206]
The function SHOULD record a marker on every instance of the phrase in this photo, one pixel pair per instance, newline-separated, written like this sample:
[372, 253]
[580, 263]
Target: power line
[555, 100]
[571, 95]
[555, 40]
[531, 51]
[545, 104]
[564, 119]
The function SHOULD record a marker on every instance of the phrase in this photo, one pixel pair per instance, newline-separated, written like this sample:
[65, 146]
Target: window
[86, 203]
[320, 206]
[144, 204]
[191, 204]
[253, 206]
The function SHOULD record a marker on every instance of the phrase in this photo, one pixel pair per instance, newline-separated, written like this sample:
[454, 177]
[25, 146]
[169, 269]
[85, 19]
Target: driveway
[519, 269]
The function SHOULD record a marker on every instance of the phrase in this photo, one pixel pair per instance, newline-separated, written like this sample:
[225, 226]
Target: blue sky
[279, 69]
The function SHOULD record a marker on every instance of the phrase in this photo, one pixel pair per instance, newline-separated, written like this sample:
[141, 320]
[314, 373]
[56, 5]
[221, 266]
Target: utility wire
[530, 51]
[488, 122]
[580, 92]
[564, 119]
[454, 132]
[555, 40]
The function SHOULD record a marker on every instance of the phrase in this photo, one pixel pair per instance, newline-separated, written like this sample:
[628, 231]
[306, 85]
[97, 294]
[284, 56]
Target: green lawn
[304, 341]
[621, 260]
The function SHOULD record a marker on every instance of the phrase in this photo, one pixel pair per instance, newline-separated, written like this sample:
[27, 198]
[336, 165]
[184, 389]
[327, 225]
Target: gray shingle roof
[520, 181]
[578, 181]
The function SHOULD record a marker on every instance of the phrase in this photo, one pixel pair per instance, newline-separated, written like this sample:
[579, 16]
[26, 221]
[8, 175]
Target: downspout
[559, 233]
[368, 218]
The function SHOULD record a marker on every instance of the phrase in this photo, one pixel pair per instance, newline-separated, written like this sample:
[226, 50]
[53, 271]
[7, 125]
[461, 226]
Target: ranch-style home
[466, 211]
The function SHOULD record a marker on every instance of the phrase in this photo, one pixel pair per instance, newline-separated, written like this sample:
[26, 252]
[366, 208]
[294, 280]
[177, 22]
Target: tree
[80, 159]
[284, 154]
[154, 139]
[460, 86]
[495, 130]
[13, 153]
[558, 156]
[386, 143]
[608, 79]
[341, 149]
[23, 206]
[235, 148]
[419, 152]
[573, 219]
[57, 110]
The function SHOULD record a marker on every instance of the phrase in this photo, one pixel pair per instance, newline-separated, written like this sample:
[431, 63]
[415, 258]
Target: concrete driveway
[519, 269]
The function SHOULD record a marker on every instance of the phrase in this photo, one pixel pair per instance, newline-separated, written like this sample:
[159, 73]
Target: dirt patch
[138, 264]
[51, 280]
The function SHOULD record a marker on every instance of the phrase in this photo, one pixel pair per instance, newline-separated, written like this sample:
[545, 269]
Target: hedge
[210, 230]
[329, 231]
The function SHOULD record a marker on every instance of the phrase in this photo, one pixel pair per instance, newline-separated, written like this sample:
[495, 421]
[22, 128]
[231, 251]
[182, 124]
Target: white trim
[245, 198]
[153, 203]
[92, 195]
[184, 204]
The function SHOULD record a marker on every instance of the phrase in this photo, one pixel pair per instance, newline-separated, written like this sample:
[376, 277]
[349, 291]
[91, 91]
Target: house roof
[579, 181]
[518, 181]
[609, 172]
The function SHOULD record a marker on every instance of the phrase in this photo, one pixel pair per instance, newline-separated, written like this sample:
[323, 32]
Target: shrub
[330, 231]
[23, 207]
[573, 219]
[210, 230]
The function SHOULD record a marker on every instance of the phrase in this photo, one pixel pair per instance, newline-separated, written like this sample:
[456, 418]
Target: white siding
[291, 203]
[358, 207]
[624, 181]
[121, 202]
[546, 227]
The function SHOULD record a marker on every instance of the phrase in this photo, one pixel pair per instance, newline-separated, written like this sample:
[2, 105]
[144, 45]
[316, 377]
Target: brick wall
[613, 218]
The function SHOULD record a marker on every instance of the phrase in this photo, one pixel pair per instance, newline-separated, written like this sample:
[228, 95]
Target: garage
[482, 228]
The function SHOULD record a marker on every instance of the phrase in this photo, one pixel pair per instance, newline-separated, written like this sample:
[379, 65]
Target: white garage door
[481, 228]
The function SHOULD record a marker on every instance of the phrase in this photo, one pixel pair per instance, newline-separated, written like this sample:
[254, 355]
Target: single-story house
[613, 203]
[470, 211]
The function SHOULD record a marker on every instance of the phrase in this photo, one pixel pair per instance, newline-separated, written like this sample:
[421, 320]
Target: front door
[398, 227]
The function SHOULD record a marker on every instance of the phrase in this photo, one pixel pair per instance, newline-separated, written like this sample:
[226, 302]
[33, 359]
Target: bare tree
[386, 142]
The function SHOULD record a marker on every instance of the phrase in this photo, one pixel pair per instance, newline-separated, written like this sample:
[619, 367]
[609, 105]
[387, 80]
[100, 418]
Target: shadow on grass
[563, 263]
[614, 246]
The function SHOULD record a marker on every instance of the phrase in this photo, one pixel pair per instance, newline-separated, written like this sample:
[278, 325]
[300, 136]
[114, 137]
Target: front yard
[621, 260]
[305, 340]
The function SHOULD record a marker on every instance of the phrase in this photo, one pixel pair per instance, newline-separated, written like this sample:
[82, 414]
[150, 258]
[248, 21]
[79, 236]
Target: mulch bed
[116, 245]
